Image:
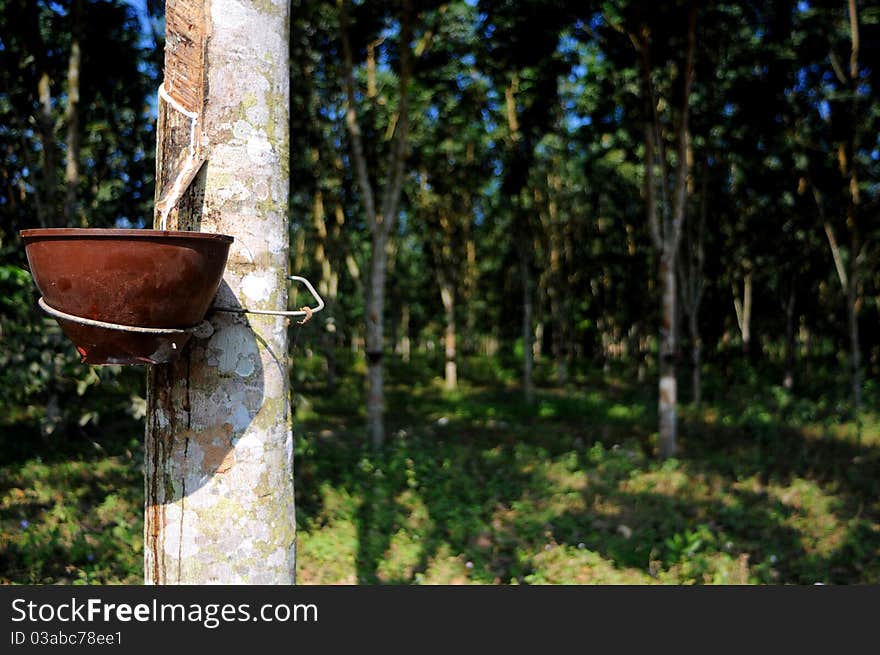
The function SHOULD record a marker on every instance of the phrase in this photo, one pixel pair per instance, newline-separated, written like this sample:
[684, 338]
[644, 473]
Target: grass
[476, 487]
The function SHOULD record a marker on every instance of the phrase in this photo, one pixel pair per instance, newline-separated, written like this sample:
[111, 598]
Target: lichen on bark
[219, 481]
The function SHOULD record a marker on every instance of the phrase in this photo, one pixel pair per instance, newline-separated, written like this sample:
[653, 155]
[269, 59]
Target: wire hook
[306, 312]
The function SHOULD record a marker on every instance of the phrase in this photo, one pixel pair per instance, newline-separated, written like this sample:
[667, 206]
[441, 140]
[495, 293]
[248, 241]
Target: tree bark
[328, 283]
[696, 359]
[520, 226]
[405, 346]
[853, 293]
[375, 339]
[790, 350]
[471, 275]
[559, 313]
[526, 277]
[219, 447]
[381, 219]
[849, 284]
[45, 172]
[447, 295]
[743, 309]
[665, 225]
[692, 283]
[668, 396]
[852, 306]
[48, 163]
[71, 167]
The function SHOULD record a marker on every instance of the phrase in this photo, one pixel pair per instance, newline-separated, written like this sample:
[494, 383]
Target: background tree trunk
[857, 255]
[665, 224]
[219, 447]
[696, 360]
[380, 219]
[790, 346]
[404, 346]
[559, 311]
[527, 334]
[743, 309]
[447, 294]
[852, 306]
[71, 168]
[692, 283]
[668, 347]
[48, 155]
[469, 287]
[328, 283]
[521, 228]
[375, 340]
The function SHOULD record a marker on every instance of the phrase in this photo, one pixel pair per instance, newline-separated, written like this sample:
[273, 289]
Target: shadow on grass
[475, 486]
[71, 505]
[479, 477]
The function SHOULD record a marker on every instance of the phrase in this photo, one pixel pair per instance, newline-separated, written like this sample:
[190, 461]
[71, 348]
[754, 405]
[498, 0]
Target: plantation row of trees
[679, 186]
[657, 182]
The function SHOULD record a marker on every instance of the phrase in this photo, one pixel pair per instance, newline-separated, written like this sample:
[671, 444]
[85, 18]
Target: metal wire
[307, 312]
[204, 327]
[57, 313]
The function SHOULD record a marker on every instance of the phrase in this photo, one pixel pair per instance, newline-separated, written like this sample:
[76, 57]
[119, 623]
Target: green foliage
[40, 373]
[37, 362]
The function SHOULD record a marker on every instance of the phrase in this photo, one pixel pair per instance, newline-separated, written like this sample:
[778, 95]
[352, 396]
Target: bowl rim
[135, 233]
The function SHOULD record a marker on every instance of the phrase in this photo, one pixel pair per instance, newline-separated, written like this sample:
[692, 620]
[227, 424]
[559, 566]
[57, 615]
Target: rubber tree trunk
[327, 285]
[855, 359]
[527, 334]
[556, 238]
[47, 210]
[405, 346]
[559, 337]
[743, 311]
[218, 465]
[666, 227]
[790, 345]
[46, 125]
[849, 283]
[381, 218]
[375, 340]
[668, 386]
[71, 161]
[447, 295]
[696, 359]
[853, 300]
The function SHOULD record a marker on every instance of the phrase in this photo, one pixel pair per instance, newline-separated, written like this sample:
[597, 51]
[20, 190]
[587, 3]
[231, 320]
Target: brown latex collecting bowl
[141, 278]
